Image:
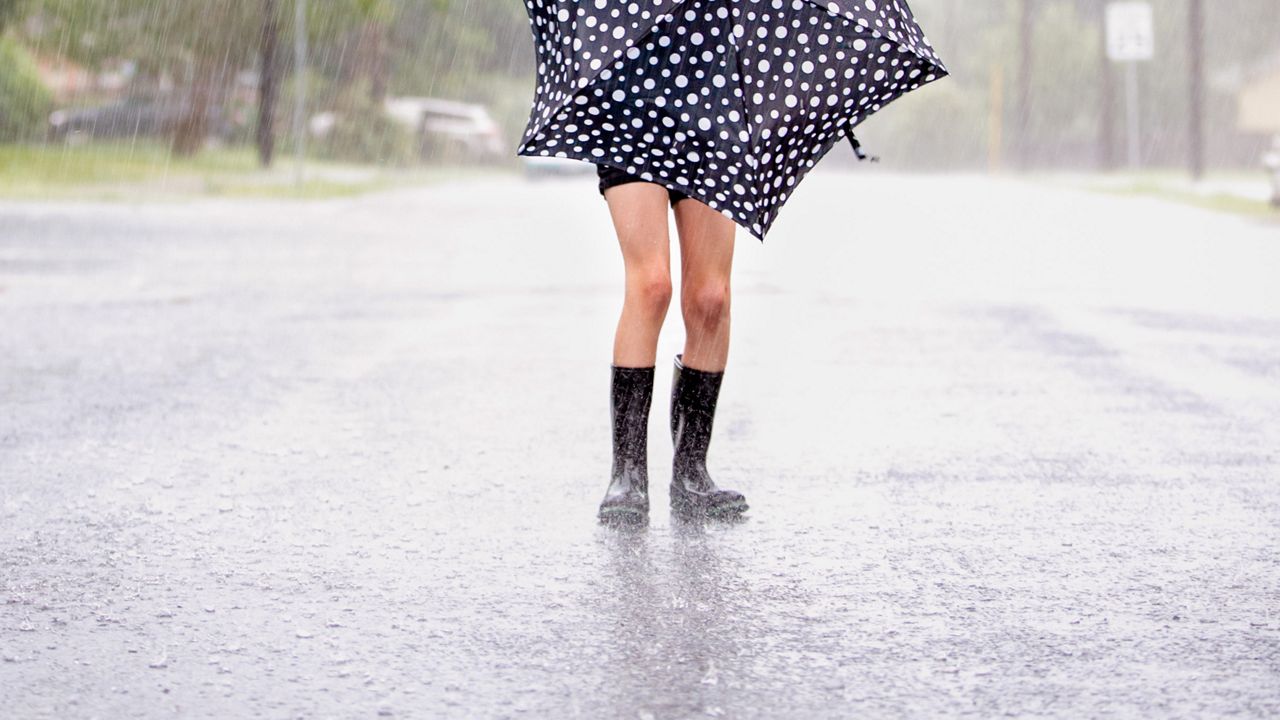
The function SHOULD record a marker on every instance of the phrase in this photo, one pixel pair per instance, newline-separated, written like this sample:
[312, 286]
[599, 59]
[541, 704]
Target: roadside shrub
[364, 134]
[24, 100]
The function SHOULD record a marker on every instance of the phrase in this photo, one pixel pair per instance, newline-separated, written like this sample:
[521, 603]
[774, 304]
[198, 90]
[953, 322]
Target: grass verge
[147, 170]
[1231, 193]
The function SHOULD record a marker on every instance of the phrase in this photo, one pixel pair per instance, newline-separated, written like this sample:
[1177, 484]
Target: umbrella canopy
[728, 101]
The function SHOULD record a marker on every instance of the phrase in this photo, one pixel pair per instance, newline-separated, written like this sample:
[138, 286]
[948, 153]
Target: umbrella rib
[559, 107]
[826, 6]
[751, 135]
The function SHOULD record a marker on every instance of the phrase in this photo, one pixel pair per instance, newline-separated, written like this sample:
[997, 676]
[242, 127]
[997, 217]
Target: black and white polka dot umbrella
[728, 101]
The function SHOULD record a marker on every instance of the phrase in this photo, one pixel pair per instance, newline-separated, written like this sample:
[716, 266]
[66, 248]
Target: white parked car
[449, 128]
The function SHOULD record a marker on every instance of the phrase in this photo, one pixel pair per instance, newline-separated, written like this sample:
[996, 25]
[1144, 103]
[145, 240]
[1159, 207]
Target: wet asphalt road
[1010, 450]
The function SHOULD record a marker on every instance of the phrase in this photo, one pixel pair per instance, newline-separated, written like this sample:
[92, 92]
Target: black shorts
[610, 176]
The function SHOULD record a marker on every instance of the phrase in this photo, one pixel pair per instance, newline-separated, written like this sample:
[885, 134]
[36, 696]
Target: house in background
[1259, 103]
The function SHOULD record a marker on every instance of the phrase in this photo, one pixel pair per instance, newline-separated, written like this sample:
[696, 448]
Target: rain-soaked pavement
[1010, 450]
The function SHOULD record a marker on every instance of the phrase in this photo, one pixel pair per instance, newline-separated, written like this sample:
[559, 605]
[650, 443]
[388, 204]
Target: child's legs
[706, 261]
[639, 211]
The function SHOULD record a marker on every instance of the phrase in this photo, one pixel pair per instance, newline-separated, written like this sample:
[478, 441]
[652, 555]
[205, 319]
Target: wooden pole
[1195, 34]
[300, 96]
[1107, 96]
[995, 121]
[1026, 28]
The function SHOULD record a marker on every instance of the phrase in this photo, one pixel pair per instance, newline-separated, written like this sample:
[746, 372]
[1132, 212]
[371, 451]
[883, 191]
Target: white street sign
[1130, 31]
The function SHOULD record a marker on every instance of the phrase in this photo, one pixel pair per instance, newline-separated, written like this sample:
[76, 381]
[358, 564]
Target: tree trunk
[268, 83]
[193, 129]
[374, 49]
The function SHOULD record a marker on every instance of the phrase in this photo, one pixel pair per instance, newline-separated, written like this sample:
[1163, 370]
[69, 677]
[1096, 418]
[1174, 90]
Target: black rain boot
[693, 409]
[627, 499]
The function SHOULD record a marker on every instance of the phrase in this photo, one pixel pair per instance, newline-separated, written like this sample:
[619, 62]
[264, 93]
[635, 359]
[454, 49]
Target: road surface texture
[1010, 450]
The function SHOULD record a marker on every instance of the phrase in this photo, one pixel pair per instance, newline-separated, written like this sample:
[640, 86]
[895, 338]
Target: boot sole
[622, 516]
[729, 510]
[692, 510]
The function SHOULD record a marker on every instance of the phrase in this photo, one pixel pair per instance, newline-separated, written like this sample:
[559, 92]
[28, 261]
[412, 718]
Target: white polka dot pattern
[731, 102]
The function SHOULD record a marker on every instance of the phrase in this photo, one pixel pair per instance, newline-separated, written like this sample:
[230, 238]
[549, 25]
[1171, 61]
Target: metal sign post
[1131, 40]
[1133, 114]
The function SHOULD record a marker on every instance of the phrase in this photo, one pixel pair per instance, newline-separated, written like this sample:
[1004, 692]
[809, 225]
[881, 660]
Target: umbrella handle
[857, 149]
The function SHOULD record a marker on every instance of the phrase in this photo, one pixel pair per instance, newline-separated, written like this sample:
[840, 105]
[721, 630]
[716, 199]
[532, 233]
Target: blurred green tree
[24, 101]
[9, 11]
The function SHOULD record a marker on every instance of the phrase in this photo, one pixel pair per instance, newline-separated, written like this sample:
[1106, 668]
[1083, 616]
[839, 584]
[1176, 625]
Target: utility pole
[268, 82]
[1026, 28]
[1195, 34]
[300, 100]
[995, 120]
[1107, 97]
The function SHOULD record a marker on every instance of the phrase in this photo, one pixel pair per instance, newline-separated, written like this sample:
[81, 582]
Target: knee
[706, 303]
[651, 291]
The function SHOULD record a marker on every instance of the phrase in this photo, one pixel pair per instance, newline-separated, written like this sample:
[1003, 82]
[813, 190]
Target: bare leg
[639, 213]
[640, 217]
[706, 261]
